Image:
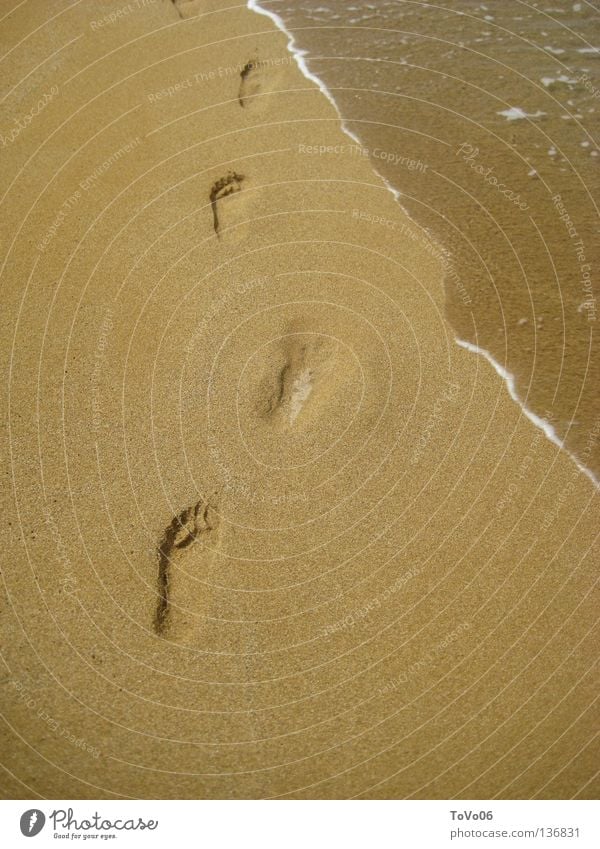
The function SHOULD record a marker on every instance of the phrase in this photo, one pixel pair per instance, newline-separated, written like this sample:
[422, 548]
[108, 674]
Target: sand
[269, 532]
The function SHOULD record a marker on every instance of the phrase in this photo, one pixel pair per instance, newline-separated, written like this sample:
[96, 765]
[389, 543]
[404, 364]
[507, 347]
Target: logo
[32, 822]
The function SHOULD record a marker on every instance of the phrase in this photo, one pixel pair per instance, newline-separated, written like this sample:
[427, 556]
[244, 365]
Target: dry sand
[269, 532]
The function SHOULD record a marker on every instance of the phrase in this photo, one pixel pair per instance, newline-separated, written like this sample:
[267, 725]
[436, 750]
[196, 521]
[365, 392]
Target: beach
[270, 532]
[484, 119]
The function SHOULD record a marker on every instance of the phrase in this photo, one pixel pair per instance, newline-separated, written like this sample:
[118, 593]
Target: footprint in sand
[229, 220]
[256, 78]
[306, 374]
[185, 553]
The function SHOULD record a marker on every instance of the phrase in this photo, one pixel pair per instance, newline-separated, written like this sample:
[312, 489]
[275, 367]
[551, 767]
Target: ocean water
[483, 118]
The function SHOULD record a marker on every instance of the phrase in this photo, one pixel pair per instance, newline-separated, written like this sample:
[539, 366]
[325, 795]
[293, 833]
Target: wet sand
[269, 532]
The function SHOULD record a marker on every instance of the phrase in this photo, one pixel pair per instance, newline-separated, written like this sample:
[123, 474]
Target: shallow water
[484, 118]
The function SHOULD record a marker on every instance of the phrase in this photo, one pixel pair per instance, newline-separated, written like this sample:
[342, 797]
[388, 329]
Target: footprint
[187, 8]
[257, 77]
[227, 211]
[250, 78]
[184, 553]
[306, 373]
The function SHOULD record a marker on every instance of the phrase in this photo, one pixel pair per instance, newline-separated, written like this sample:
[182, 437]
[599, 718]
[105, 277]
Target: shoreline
[509, 378]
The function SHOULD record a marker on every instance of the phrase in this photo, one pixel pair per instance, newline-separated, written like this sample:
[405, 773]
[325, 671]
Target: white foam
[515, 113]
[299, 56]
